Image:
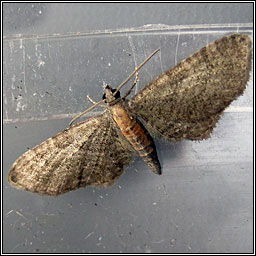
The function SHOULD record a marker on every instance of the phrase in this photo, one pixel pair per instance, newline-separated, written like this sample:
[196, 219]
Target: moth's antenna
[118, 88]
[87, 110]
[136, 70]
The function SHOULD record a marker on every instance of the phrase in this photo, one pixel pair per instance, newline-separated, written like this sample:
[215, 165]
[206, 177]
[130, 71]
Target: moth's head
[109, 94]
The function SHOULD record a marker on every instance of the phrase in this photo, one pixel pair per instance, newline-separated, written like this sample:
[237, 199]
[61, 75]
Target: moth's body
[133, 131]
[185, 102]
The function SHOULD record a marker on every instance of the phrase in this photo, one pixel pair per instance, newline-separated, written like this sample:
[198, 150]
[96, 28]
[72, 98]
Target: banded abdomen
[137, 135]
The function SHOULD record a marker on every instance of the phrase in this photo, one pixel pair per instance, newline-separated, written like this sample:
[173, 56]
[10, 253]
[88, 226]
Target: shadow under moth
[185, 102]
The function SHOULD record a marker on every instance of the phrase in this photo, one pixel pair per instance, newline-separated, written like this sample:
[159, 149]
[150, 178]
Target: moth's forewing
[89, 153]
[186, 101]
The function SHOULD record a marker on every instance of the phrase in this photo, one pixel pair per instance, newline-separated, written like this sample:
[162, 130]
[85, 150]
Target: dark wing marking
[187, 101]
[89, 153]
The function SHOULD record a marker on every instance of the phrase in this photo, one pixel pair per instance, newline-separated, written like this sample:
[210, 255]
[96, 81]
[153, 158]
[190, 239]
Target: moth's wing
[186, 102]
[89, 153]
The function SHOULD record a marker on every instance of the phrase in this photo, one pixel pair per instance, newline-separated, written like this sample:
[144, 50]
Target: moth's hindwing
[89, 153]
[186, 102]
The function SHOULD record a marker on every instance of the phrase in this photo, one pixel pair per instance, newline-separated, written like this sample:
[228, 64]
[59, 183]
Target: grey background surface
[56, 54]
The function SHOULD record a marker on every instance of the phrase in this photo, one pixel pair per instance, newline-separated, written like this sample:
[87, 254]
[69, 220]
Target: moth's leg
[134, 83]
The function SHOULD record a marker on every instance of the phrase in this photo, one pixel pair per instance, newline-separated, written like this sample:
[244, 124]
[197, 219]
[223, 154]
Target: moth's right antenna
[135, 71]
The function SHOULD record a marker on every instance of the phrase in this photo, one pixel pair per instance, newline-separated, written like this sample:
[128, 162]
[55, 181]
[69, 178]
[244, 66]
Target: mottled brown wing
[89, 153]
[187, 101]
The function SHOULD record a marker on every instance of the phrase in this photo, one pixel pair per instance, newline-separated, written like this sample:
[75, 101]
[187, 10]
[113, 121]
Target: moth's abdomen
[138, 136]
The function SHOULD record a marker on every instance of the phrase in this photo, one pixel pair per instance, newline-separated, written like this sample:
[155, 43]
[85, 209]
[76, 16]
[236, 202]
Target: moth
[185, 102]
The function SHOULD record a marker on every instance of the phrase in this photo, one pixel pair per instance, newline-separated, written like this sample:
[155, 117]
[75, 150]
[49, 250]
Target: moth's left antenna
[87, 110]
